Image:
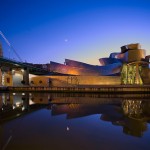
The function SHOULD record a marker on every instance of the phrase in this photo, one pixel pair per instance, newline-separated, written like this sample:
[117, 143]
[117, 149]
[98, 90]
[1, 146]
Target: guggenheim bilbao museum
[130, 66]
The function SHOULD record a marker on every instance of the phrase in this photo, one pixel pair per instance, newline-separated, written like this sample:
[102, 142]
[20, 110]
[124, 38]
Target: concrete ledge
[84, 89]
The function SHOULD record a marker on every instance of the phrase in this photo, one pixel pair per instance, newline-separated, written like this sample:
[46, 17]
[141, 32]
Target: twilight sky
[82, 30]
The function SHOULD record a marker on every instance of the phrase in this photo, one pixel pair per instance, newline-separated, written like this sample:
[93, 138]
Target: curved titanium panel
[111, 69]
[125, 48]
[147, 58]
[73, 63]
[122, 56]
[109, 66]
[65, 69]
[107, 61]
[136, 55]
[99, 70]
[113, 55]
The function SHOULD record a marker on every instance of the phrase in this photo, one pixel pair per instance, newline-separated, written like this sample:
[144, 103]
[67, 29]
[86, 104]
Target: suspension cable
[8, 43]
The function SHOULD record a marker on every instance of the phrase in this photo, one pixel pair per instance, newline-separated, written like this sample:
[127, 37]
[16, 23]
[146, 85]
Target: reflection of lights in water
[31, 102]
[18, 115]
[18, 104]
[23, 108]
[22, 70]
[132, 107]
[14, 93]
[3, 79]
[23, 93]
[68, 128]
[3, 99]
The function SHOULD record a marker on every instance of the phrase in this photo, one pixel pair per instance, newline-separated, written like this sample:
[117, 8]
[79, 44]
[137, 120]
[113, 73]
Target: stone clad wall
[75, 80]
[99, 80]
[7, 79]
[145, 75]
[17, 78]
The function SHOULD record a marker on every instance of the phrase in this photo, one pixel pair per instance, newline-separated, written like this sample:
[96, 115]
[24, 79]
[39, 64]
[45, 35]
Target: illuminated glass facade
[131, 74]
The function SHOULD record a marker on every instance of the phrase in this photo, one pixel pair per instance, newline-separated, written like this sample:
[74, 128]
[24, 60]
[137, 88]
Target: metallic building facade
[110, 66]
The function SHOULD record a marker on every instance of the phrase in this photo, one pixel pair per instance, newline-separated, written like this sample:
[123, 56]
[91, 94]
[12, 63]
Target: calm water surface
[50, 121]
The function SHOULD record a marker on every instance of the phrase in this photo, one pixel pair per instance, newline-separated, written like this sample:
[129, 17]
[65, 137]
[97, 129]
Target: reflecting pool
[59, 121]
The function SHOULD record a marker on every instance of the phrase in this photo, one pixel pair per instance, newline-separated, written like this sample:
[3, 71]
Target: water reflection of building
[132, 108]
[129, 113]
[15, 104]
[132, 115]
[137, 115]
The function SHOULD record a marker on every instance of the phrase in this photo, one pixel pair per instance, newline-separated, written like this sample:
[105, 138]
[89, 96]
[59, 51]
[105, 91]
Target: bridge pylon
[26, 76]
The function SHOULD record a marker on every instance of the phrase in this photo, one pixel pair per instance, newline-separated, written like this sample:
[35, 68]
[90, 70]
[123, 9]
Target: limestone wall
[99, 80]
[145, 75]
[7, 79]
[74, 80]
[17, 78]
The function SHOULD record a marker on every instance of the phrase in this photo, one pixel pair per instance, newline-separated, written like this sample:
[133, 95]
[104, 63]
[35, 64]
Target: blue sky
[83, 30]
